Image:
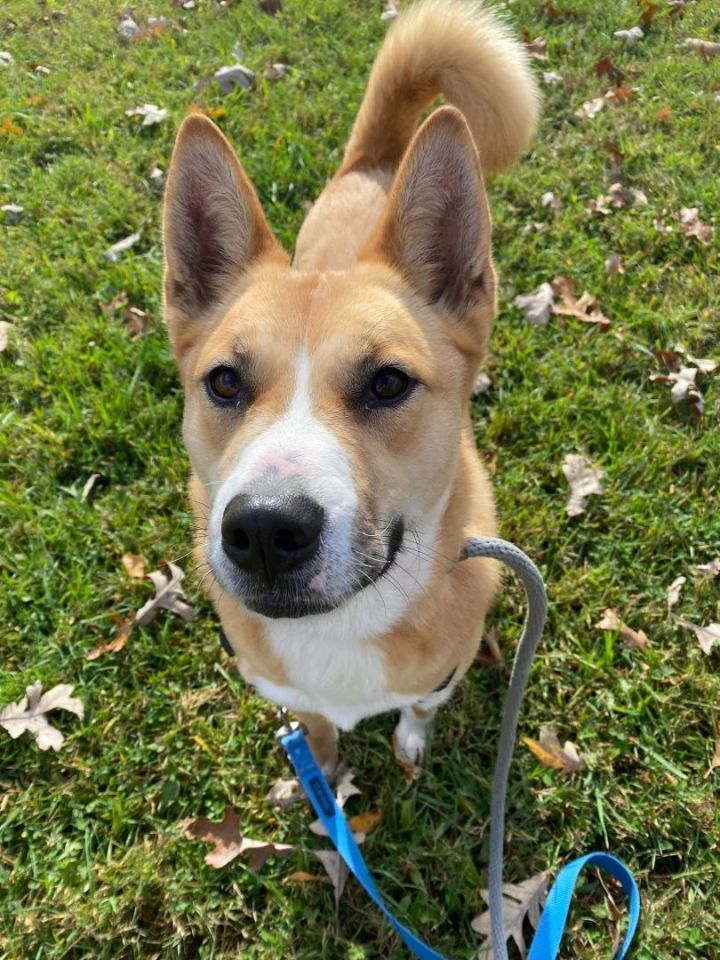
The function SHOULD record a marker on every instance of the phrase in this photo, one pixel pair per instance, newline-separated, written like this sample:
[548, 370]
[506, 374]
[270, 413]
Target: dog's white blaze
[337, 670]
[300, 445]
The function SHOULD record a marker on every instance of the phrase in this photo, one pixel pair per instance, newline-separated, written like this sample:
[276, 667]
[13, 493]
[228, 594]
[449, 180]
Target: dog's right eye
[224, 384]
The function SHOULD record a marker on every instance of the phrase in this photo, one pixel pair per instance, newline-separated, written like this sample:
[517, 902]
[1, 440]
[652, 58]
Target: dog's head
[323, 411]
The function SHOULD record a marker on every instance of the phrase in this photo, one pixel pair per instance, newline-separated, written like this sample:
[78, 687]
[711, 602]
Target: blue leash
[548, 936]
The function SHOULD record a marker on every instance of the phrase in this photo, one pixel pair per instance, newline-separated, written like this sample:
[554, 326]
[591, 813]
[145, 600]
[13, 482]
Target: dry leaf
[302, 876]
[550, 200]
[136, 322]
[89, 486]
[551, 78]
[629, 37]
[285, 792]
[117, 249]
[12, 213]
[664, 114]
[134, 565]
[9, 128]
[684, 388]
[592, 107]
[168, 594]
[708, 637]
[648, 11]
[6, 58]
[29, 714]
[520, 901]
[390, 10]
[706, 48]
[551, 753]
[606, 68]
[555, 13]
[585, 308]
[711, 569]
[583, 478]
[536, 48]
[673, 592]
[614, 265]
[271, 7]
[634, 639]
[122, 633]
[150, 113]
[715, 760]
[336, 869]
[537, 307]
[345, 788]
[276, 70]
[482, 384]
[236, 76]
[692, 226]
[364, 823]
[228, 843]
[5, 329]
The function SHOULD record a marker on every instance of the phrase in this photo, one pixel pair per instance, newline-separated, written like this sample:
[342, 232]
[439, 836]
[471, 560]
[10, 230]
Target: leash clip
[287, 726]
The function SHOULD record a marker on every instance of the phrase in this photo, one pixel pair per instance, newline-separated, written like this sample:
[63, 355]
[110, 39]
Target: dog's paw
[409, 743]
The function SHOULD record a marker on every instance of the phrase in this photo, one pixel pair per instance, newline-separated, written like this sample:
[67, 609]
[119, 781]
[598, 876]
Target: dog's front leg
[410, 733]
[323, 739]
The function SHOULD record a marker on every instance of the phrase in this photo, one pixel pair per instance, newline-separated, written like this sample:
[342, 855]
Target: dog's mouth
[322, 587]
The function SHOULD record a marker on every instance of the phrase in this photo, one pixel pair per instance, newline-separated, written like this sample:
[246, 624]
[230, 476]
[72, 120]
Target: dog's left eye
[224, 384]
[389, 386]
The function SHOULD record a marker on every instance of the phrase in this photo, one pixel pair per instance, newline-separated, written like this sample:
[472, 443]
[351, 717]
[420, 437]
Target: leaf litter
[634, 639]
[169, 595]
[708, 637]
[584, 479]
[551, 753]
[29, 714]
[228, 842]
[521, 901]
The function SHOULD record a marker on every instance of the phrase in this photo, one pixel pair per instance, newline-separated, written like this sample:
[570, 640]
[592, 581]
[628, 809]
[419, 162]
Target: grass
[93, 862]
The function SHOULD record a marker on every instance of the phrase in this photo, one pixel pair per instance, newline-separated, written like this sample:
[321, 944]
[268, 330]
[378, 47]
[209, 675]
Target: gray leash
[534, 585]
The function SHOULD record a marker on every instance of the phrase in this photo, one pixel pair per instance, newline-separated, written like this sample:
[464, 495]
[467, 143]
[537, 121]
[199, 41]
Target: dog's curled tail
[463, 51]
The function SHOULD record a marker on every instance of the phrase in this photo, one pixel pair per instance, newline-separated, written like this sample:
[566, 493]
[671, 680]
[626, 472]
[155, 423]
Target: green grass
[93, 862]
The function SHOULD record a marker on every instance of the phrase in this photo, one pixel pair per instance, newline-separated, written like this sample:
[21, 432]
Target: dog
[335, 475]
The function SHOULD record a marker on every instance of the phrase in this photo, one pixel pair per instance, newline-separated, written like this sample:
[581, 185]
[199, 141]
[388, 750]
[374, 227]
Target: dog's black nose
[269, 536]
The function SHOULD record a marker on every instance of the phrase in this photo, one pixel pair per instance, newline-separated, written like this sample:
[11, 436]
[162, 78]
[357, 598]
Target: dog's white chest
[345, 684]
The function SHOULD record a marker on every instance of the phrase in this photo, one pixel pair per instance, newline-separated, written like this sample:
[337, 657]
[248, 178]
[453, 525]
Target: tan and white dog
[335, 475]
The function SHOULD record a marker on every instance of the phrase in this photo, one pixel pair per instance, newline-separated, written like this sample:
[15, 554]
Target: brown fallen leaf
[634, 639]
[664, 114]
[614, 265]
[228, 843]
[169, 595]
[537, 306]
[88, 486]
[28, 714]
[551, 753]
[302, 876]
[692, 226]
[556, 13]
[629, 37]
[648, 11]
[606, 68]
[336, 869]
[684, 388]
[114, 252]
[583, 478]
[711, 569]
[285, 792]
[136, 322]
[122, 633]
[585, 308]
[345, 788]
[536, 48]
[673, 592]
[708, 637]
[364, 823]
[482, 384]
[271, 7]
[706, 48]
[134, 565]
[715, 759]
[521, 901]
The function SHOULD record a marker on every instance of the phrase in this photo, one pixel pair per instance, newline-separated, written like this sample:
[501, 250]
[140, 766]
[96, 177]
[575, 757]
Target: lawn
[93, 858]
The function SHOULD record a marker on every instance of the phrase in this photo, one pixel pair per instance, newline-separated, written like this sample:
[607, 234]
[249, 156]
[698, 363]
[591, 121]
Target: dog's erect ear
[436, 228]
[213, 225]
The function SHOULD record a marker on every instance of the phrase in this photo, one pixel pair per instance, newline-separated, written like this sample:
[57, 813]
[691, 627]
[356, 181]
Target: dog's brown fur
[395, 255]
